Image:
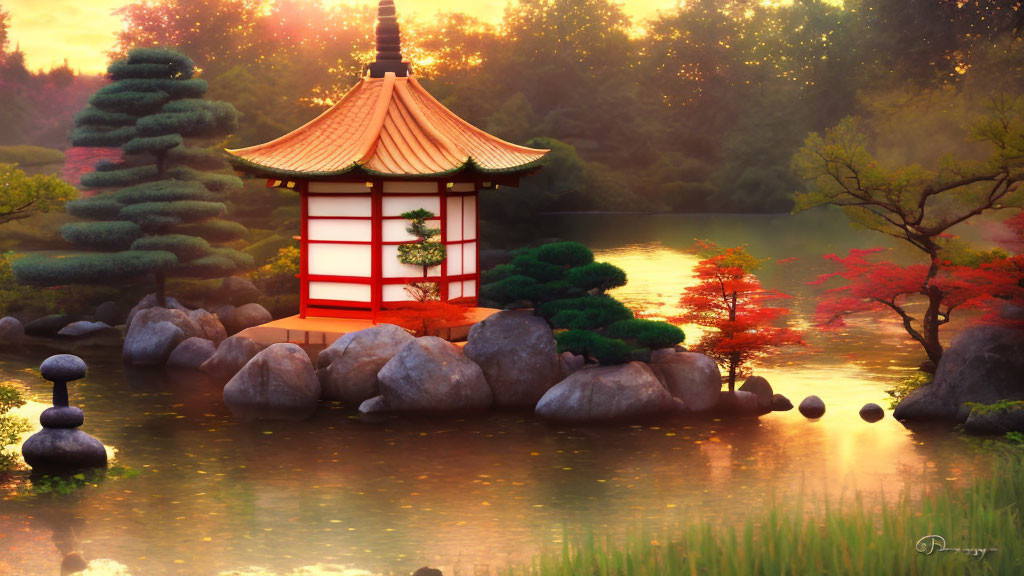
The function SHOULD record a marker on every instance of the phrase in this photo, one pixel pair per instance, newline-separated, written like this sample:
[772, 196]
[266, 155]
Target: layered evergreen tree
[160, 210]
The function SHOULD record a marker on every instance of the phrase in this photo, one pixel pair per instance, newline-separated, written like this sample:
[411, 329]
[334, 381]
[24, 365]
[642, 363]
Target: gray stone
[872, 412]
[236, 290]
[348, 368]
[569, 363]
[984, 364]
[226, 315]
[760, 387]
[738, 403]
[154, 333]
[812, 407]
[279, 382]
[62, 417]
[373, 405]
[149, 301]
[431, 375]
[249, 315]
[63, 368]
[63, 450]
[518, 355]
[996, 420]
[190, 354]
[780, 403]
[83, 328]
[627, 392]
[47, 325]
[110, 313]
[232, 354]
[12, 332]
[691, 377]
[209, 325]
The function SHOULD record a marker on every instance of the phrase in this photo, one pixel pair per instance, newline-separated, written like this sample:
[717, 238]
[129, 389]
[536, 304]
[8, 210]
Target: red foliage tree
[735, 311]
[425, 318]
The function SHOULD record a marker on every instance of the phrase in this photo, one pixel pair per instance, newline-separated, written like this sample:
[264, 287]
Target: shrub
[278, 275]
[601, 276]
[568, 254]
[585, 313]
[53, 269]
[529, 265]
[647, 333]
[907, 385]
[27, 156]
[213, 230]
[11, 427]
[586, 343]
[499, 272]
[510, 289]
[97, 207]
[115, 235]
[182, 246]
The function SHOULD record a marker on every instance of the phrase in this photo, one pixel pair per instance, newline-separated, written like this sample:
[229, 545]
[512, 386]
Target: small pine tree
[160, 210]
[424, 252]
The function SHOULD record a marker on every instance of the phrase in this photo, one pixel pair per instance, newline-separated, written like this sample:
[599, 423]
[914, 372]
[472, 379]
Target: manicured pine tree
[424, 252]
[160, 210]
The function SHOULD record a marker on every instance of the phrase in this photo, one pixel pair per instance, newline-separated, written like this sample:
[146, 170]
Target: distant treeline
[698, 109]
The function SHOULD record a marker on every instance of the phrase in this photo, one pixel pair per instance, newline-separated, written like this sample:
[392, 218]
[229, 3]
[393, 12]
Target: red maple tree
[736, 312]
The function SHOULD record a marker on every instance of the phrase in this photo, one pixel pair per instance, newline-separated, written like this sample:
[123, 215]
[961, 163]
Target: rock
[47, 325]
[738, 403]
[812, 407]
[154, 333]
[63, 449]
[569, 363]
[427, 571]
[180, 318]
[691, 377]
[662, 354]
[760, 387]
[226, 315]
[373, 405]
[110, 313]
[518, 355]
[250, 315]
[232, 354]
[209, 324]
[348, 368]
[73, 563]
[63, 368]
[608, 393]
[872, 412]
[431, 375]
[279, 382]
[191, 353]
[984, 364]
[236, 290]
[12, 332]
[62, 417]
[993, 420]
[780, 403]
[149, 301]
[83, 328]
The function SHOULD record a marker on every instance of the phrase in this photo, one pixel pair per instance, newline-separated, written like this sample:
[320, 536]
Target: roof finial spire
[389, 45]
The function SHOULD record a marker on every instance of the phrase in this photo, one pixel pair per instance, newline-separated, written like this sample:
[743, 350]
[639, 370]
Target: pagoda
[387, 148]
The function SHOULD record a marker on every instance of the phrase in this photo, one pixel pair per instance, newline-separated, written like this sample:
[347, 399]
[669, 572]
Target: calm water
[216, 496]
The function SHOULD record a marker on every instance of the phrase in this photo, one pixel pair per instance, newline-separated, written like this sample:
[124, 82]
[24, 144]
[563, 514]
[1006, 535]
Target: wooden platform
[322, 332]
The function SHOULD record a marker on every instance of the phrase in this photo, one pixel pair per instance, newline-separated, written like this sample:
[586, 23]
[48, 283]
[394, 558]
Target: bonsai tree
[160, 210]
[729, 302]
[424, 252]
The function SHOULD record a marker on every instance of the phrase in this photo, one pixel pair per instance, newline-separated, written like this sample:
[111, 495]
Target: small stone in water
[63, 368]
[812, 407]
[872, 412]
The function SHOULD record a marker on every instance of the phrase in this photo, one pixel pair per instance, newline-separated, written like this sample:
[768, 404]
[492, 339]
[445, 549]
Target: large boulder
[348, 368]
[996, 419]
[231, 355]
[518, 355]
[759, 386]
[211, 327]
[47, 326]
[626, 392]
[236, 290]
[691, 377]
[226, 315]
[150, 339]
[738, 403]
[149, 301]
[54, 450]
[249, 315]
[430, 375]
[984, 364]
[279, 382]
[191, 354]
[12, 332]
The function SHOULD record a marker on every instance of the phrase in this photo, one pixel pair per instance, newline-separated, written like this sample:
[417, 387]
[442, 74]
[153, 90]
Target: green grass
[863, 538]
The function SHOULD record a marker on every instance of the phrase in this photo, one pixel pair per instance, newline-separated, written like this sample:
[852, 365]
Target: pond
[217, 496]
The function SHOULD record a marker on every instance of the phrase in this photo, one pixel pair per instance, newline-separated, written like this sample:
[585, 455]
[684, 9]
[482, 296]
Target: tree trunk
[733, 360]
[930, 326]
[161, 282]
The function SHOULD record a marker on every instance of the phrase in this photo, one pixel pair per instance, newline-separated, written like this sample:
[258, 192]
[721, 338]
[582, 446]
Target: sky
[82, 31]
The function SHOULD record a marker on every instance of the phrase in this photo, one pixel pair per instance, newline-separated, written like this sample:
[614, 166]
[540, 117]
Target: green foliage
[907, 385]
[153, 144]
[1002, 406]
[22, 196]
[267, 248]
[213, 230]
[159, 215]
[95, 207]
[183, 246]
[102, 138]
[49, 269]
[511, 289]
[646, 333]
[107, 236]
[96, 118]
[164, 191]
[605, 350]
[567, 254]
[600, 276]
[423, 252]
[499, 272]
[527, 264]
[30, 155]
[214, 182]
[585, 313]
[1015, 438]
[11, 427]
[277, 276]
[119, 178]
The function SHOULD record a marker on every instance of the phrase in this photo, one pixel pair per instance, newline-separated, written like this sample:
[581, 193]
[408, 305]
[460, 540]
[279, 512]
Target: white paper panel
[463, 187]
[392, 268]
[395, 293]
[394, 230]
[339, 291]
[339, 206]
[403, 187]
[454, 290]
[454, 259]
[396, 205]
[469, 288]
[336, 187]
[349, 230]
[469, 258]
[454, 218]
[469, 223]
[339, 260]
